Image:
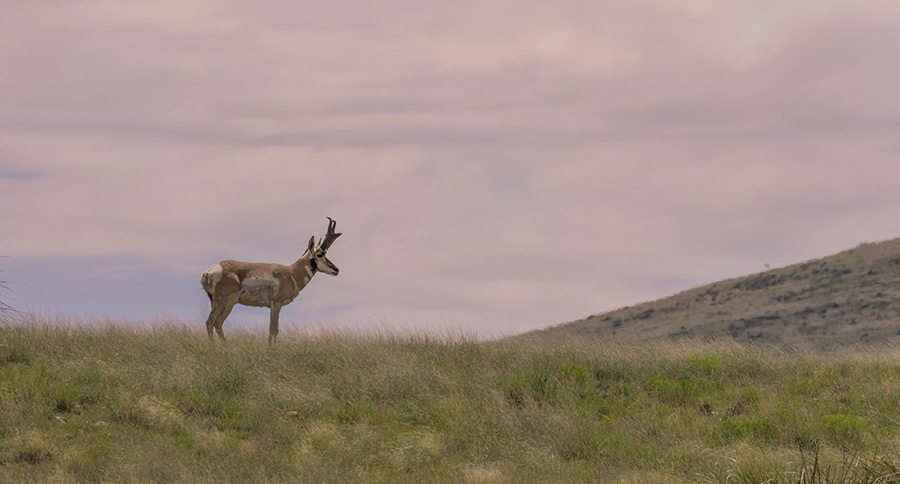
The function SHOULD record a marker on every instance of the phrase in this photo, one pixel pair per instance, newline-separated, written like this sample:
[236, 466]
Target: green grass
[115, 405]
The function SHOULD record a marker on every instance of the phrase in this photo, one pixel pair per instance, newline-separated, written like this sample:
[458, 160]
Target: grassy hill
[115, 405]
[849, 298]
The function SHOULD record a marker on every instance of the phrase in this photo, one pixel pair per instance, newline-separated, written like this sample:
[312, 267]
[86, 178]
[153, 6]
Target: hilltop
[852, 297]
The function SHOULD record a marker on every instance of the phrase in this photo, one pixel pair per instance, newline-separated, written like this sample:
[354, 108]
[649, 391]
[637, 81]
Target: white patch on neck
[305, 281]
[308, 271]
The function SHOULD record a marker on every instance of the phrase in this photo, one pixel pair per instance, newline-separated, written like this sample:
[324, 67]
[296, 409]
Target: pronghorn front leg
[273, 322]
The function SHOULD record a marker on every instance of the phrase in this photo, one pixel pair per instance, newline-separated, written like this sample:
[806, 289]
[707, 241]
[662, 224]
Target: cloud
[499, 166]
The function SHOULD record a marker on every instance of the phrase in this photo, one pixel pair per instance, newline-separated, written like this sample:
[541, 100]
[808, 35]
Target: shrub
[684, 391]
[749, 396]
[757, 428]
[846, 431]
[709, 364]
[571, 382]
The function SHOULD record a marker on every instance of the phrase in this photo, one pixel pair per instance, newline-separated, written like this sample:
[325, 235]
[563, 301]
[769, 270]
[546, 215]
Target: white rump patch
[211, 278]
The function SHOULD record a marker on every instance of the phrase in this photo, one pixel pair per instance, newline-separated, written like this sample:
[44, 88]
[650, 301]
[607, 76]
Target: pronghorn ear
[312, 244]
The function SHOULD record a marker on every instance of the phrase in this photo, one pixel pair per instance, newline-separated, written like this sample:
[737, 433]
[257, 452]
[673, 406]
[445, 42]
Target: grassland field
[113, 404]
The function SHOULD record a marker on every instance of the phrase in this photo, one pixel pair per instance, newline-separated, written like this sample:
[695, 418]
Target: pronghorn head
[317, 252]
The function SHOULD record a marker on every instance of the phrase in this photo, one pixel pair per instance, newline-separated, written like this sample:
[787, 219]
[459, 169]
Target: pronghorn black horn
[330, 236]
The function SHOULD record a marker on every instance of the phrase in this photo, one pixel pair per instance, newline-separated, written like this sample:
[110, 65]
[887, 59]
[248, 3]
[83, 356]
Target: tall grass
[112, 404]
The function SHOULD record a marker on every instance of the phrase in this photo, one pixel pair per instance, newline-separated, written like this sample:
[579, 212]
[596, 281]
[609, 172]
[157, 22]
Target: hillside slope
[849, 298]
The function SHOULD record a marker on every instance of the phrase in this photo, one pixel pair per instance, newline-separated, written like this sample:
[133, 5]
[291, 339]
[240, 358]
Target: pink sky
[494, 166]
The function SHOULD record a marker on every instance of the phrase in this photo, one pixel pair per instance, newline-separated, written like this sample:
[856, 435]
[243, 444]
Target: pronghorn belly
[257, 291]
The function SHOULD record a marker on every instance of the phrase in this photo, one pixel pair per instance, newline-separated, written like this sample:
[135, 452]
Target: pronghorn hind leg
[227, 294]
[225, 310]
[210, 322]
[211, 319]
[273, 322]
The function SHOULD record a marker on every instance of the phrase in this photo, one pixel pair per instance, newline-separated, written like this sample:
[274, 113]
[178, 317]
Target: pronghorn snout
[331, 268]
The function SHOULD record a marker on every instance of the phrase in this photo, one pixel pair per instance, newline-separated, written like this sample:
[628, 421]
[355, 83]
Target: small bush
[749, 396]
[543, 387]
[684, 391]
[757, 428]
[708, 365]
[515, 391]
[571, 382]
[845, 431]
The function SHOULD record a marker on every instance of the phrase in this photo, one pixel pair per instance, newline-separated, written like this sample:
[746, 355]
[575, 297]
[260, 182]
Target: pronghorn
[264, 284]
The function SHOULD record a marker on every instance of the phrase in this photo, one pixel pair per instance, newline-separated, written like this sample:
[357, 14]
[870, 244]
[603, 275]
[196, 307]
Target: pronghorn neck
[304, 268]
